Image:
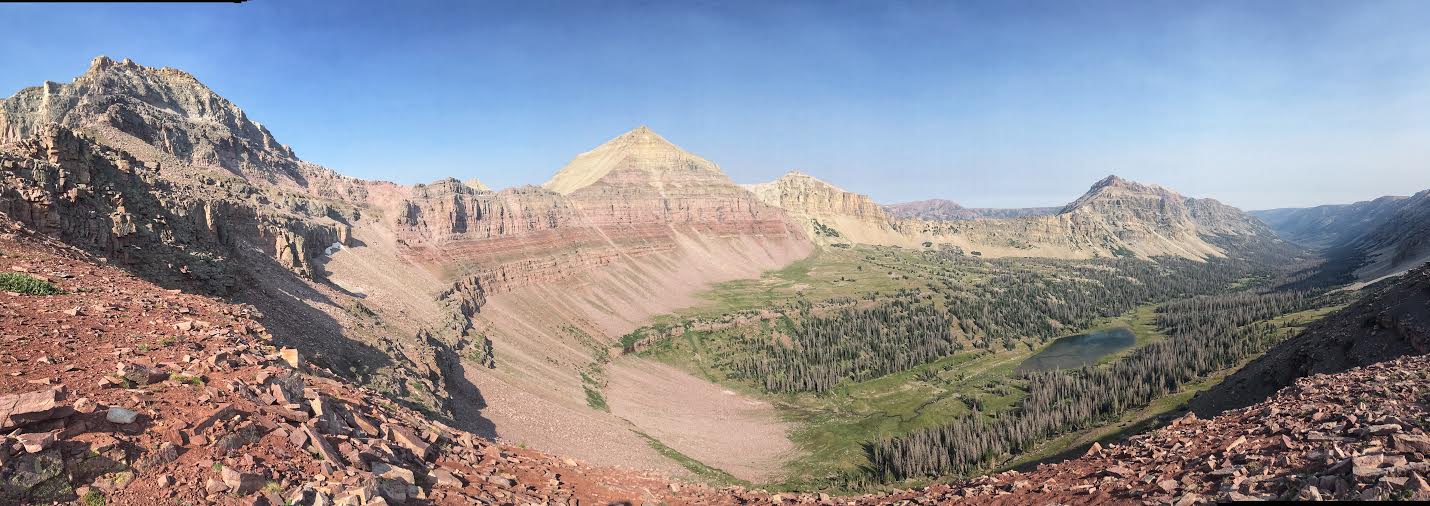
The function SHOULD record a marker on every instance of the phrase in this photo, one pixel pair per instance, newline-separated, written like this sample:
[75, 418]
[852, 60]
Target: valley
[641, 312]
[743, 335]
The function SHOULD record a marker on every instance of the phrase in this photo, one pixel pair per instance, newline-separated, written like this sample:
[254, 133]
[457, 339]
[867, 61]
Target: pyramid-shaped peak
[640, 148]
[641, 135]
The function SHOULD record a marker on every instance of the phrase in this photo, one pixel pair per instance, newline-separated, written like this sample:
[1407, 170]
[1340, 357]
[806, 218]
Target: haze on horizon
[991, 104]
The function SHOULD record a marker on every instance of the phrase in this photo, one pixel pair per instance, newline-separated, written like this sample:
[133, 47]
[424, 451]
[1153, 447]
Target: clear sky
[1000, 103]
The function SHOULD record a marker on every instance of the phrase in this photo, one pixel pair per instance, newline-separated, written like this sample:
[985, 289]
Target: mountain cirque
[478, 307]
[481, 310]
[122, 390]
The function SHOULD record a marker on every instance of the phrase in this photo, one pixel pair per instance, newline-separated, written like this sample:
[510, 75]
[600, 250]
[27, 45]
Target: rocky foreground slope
[118, 390]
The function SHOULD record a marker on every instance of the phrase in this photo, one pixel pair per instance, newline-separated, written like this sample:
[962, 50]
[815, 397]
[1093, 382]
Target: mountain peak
[639, 149]
[641, 135]
[1112, 180]
[1114, 187]
[99, 63]
[165, 108]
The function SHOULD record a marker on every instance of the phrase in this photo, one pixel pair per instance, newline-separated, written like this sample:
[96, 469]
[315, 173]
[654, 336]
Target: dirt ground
[720, 428]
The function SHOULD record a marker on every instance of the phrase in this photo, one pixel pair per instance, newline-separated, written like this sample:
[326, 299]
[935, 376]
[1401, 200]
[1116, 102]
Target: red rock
[241, 483]
[36, 442]
[322, 446]
[445, 478]
[1411, 443]
[408, 439]
[21, 409]
[1240, 440]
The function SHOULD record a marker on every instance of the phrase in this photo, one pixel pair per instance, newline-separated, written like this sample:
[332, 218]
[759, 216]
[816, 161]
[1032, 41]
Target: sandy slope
[718, 427]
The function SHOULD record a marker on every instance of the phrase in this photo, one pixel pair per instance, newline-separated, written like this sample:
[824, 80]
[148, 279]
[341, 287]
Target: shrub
[26, 284]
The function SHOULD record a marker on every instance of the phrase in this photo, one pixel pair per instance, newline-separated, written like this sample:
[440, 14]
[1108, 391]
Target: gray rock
[121, 416]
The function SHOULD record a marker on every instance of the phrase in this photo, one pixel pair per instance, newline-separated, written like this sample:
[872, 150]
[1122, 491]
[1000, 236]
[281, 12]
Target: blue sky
[999, 103]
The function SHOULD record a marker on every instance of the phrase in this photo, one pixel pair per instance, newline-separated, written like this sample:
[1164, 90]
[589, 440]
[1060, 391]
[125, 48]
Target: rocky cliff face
[627, 198]
[829, 213]
[164, 108]
[809, 196]
[1151, 220]
[1115, 217]
[181, 233]
[152, 169]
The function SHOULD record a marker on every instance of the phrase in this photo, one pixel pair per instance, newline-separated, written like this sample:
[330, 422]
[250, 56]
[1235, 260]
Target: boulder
[290, 357]
[35, 478]
[409, 439]
[22, 409]
[121, 416]
[241, 483]
[36, 442]
[1411, 443]
[141, 374]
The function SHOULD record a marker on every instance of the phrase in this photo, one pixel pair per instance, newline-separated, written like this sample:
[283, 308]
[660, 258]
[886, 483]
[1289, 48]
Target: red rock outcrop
[627, 198]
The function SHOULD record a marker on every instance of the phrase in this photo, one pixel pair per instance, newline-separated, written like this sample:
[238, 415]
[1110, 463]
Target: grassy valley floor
[832, 427]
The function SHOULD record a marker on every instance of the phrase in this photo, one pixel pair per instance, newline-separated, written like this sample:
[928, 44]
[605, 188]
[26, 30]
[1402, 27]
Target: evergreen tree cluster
[1016, 301]
[853, 343]
[1205, 334]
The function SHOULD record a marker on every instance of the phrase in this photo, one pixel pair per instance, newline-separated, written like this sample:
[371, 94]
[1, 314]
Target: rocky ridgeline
[1115, 217]
[160, 107]
[829, 213]
[178, 232]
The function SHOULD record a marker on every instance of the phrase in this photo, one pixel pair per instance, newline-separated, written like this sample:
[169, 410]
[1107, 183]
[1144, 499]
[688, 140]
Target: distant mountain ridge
[947, 210]
[1361, 241]
[1329, 225]
[1115, 217]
